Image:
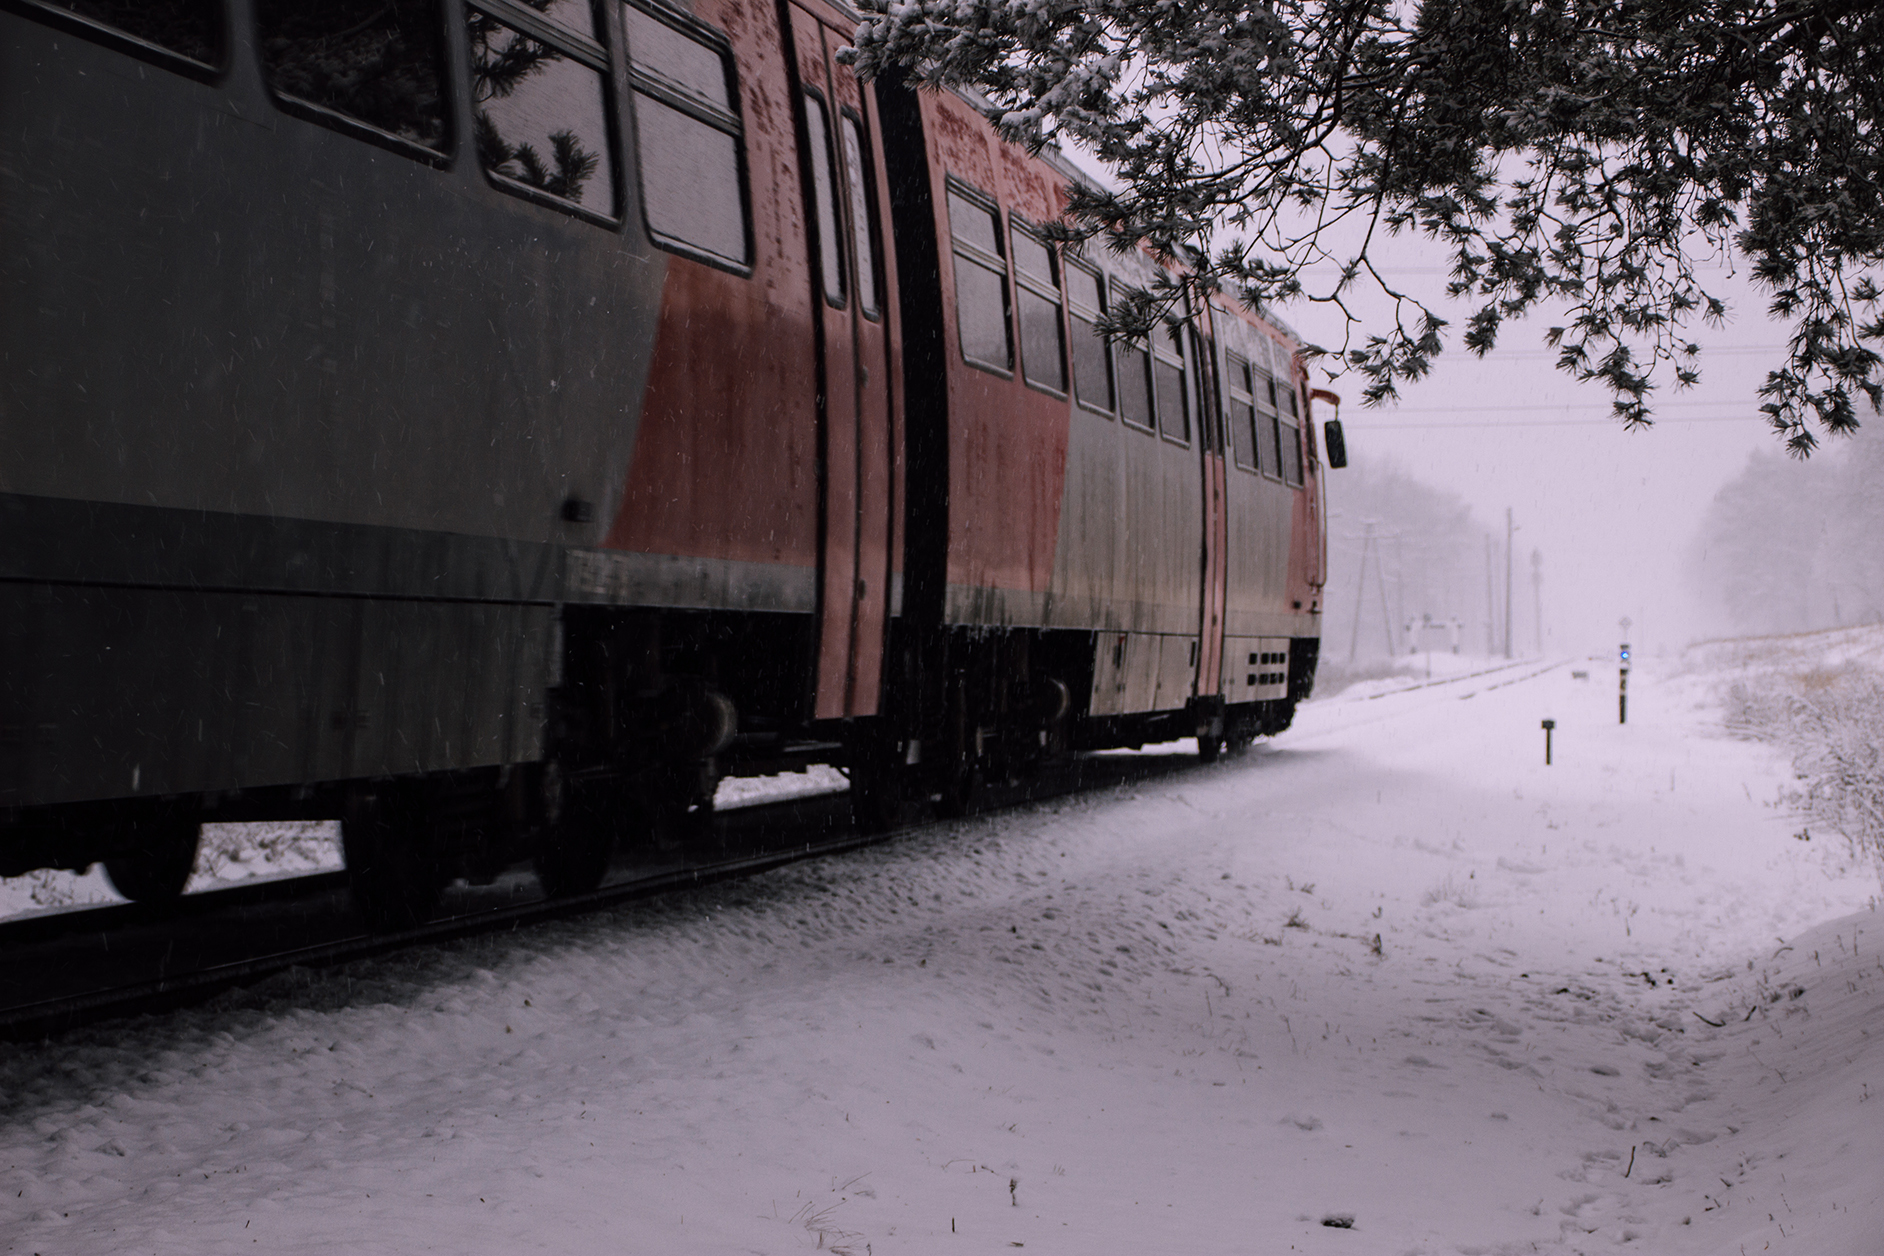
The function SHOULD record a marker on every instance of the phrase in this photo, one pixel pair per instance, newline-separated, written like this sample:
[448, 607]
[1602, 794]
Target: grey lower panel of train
[129, 692]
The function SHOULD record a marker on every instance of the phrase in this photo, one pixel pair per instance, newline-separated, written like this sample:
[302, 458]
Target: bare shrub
[1832, 720]
[1459, 893]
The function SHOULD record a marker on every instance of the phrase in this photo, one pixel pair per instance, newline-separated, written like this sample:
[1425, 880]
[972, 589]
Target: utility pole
[1360, 590]
[1386, 611]
[1537, 595]
[1491, 601]
[1399, 580]
[1508, 531]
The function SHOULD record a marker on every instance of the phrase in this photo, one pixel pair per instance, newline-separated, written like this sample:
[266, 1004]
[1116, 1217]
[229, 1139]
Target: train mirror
[1335, 444]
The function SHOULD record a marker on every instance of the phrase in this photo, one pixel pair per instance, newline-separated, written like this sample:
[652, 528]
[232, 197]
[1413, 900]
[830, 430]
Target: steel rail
[50, 1016]
[41, 1019]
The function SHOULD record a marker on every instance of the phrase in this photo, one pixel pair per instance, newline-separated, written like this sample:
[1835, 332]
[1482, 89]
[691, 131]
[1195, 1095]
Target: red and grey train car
[488, 421]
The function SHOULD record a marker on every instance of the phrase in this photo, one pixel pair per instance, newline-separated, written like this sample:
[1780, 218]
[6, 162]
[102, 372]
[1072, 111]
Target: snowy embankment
[1388, 985]
[1821, 697]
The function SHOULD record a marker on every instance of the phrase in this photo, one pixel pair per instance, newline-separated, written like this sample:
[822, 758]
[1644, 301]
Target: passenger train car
[489, 422]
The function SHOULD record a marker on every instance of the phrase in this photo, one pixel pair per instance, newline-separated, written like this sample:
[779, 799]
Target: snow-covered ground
[1387, 985]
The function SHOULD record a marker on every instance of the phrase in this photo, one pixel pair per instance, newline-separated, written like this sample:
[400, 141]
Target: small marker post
[1548, 726]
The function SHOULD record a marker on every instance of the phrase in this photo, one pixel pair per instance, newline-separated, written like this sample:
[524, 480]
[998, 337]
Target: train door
[1216, 538]
[856, 450]
[1311, 477]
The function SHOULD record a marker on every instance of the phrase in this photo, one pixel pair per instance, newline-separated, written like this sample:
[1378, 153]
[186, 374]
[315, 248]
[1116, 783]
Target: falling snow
[1387, 984]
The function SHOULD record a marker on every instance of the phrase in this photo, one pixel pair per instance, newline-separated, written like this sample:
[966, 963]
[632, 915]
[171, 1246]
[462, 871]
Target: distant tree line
[1426, 558]
[1789, 546]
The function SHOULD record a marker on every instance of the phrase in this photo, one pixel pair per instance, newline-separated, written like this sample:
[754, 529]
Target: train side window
[1291, 434]
[191, 29]
[1135, 401]
[862, 219]
[1092, 355]
[689, 137]
[377, 62]
[981, 308]
[1174, 417]
[1042, 329]
[824, 202]
[1242, 414]
[538, 85]
[1268, 448]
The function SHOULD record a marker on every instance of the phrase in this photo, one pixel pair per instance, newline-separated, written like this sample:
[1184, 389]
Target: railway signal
[1548, 726]
[1622, 691]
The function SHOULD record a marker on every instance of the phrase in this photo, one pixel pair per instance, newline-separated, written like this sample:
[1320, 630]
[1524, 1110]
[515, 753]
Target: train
[489, 424]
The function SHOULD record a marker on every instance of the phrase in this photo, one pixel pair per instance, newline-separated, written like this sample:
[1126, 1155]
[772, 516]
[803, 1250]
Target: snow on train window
[1268, 448]
[1291, 433]
[538, 90]
[981, 310]
[1135, 405]
[1167, 368]
[688, 135]
[1242, 416]
[1042, 331]
[375, 62]
[1137, 401]
[1092, 355]
[863, 239]
[575, 15]
[189, 28]
[824, 202]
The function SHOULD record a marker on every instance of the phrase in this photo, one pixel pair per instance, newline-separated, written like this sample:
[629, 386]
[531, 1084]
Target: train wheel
[160, 866]
[1209, 747]
[960, 792]
[391, 866]
[881, 788]
[573, 852]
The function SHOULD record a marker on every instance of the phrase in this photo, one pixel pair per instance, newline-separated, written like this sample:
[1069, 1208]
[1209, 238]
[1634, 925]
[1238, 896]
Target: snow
[1389, 969]
[230, 853]
[749, 791]
[233, 853]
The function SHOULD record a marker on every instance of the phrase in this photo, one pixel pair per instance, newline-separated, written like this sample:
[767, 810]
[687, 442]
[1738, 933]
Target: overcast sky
[1612, 512]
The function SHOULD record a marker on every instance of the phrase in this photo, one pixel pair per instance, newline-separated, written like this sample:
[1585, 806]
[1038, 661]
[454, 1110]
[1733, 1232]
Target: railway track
[75, 968]
[1338, 715]
[1521, 669]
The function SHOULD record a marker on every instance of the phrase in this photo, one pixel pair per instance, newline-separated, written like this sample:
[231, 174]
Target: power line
[1371, 428]
[1529, 405]
[1507, 355]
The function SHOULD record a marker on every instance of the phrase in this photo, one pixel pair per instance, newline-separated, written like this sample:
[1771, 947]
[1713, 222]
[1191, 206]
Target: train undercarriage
[651, 710]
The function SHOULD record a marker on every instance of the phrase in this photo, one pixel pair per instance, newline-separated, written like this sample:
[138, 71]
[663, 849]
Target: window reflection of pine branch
[575, 165]
[496, 71]
[190, 27]
[375, 60]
